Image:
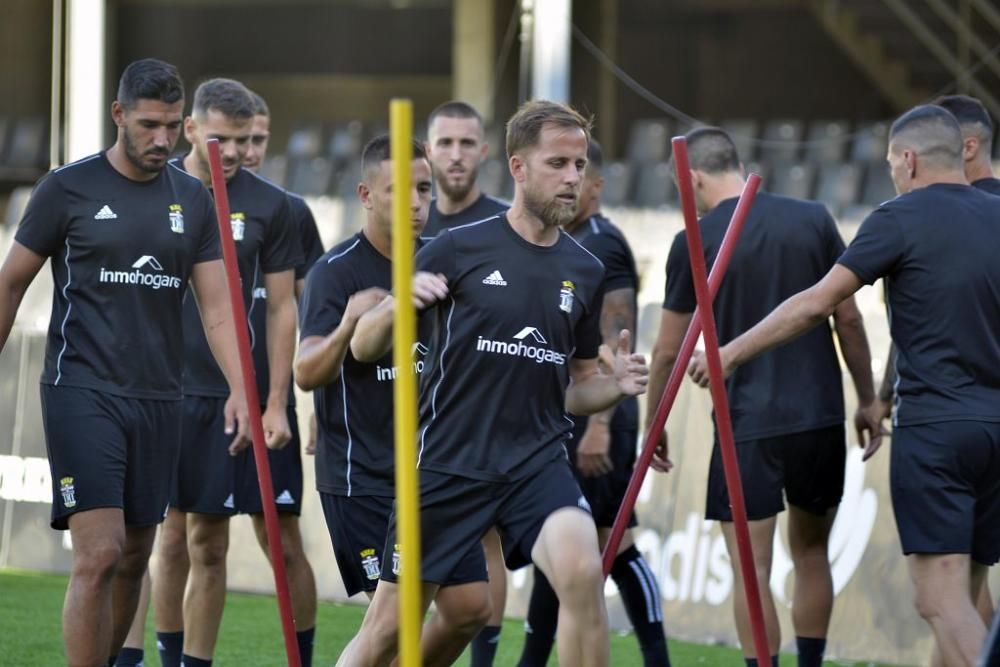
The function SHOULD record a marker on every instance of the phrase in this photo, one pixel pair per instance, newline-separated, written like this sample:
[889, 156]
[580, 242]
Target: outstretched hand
[698, 367]
[868, 419]
[630, 370]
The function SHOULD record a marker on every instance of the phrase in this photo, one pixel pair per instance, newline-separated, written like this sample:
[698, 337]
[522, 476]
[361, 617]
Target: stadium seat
[783, 141]
[28, 145]
[839, 185]
[793, 180]
[870, 142]
[617, 184]
[878, 185]
[346, 182]
[649, 141]
[827, 141]
[311, 176]
[654, 185]
[493, 178]
[306, 141]
[275, 169]
[346, 142]
[743, 132]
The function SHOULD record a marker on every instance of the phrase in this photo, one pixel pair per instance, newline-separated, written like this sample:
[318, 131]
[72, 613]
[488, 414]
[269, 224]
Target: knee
[927, 605]
[98, 561]
[380, 629]
[469, 615]
[209, 552]
[579, 579]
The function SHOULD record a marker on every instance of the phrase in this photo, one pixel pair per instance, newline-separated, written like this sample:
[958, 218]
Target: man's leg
[540, 623]
[812, 604]
[376, 642]
[567, 553]
[128, 581]
[462, 611]
[944, 599]
[169, 580]
[484, 646]
[133, 650]
[87, 619]
[205, 596]
[761, 539]
[301, 582]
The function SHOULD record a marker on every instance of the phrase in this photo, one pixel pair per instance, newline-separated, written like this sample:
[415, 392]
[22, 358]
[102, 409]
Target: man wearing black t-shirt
[211, 486]
[602, 448]
[354, 405]
[515, 305]
[126, 232]
[788, 406]
[937, 244]
[456, 147]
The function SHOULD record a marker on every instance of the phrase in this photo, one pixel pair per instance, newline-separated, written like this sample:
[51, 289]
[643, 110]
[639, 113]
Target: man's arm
[887, 390]
[850, 329]
[673, 326]
[208, 280]
[280, 325]
[18, 270]
[591, 391]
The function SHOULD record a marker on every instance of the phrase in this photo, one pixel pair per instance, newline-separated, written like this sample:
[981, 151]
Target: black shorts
[358, 526]
[109, 451]
[210, 481]
[945, 481]
[606, 492]
[455, 513]
[807, 468]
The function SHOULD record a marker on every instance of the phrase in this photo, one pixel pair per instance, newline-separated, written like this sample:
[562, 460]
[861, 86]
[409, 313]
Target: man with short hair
[126, 232]
[937, 245]
[211, 486]
[602, 447]
[456, 146]
[788, 406]
[515, 304]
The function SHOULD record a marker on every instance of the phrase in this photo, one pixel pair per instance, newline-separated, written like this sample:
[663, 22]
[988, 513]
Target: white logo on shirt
[106, 214]
[533, 332]
[419, 350]
[147, 259]
[495, 279]
[521, 349]
[155, 279]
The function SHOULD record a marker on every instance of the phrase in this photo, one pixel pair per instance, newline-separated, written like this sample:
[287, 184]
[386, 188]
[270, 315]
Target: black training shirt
[938, 248]
[991, 185]
[484, 207]
[492, 396]
[122, 252]
[787, 245]
[265, 243]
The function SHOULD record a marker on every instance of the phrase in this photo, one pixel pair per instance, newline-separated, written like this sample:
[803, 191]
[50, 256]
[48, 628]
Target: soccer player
[788, 406]
[603, 446]
[937, 244]
[126, 232]
[456, 146]
[354, 399]
[515, 304]
[211, 486]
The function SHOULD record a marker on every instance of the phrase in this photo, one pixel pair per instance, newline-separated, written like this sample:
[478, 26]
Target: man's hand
[361, 302]
[698, 366]
[277, 431]
[661, 456]
[237, 420]
[868, 419]
[630, 370]
[592, 458]
[311, 441]
[428, 289]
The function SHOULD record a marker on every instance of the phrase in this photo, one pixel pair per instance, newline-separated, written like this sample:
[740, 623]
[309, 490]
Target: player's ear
[190, 130]
[365, 195]
[516, 166]
[484, 149]
[118, 113]
[970, 147]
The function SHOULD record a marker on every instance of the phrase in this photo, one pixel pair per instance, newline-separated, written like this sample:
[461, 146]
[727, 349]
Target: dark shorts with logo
[606, 492]
[945, 481]
[357, 526]
[455, 513]
[210, 481]
[109, 451]
[807, 468]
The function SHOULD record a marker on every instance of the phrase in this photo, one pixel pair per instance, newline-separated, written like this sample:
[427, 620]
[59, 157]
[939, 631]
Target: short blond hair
[525, 126]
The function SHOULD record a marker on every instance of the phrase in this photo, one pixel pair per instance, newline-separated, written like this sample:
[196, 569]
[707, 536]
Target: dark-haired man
[788, 405]
[211, 485]
[937, 245]
[515, 304]
[126, 232]
[456, 146]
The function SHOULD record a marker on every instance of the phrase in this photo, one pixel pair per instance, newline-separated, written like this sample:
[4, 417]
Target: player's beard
[458, 192]
[551, 212]
[136, 158]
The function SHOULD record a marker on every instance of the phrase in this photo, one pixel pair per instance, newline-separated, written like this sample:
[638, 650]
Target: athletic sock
[484, 646]
[539, 623]
[641, 598]
[170, 645]
[306, 639]
[129, 657]
[811, 650]
[188, 661]
[752, 662]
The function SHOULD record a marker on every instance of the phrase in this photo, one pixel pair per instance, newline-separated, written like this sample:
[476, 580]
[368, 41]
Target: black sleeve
[323, 301]
[587, 334]
[617, 259]
[678, 295]
[308, 233]
[876, 249]
[209, 248]
[281, 250]
[44, 224]
[834, 242]
[438, 256]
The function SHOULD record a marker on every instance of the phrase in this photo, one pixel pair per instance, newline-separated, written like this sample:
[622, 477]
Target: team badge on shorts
[395, 559]
[68, 491]
[369, 561]
[566, 296]
[238, 222]
[176, 219]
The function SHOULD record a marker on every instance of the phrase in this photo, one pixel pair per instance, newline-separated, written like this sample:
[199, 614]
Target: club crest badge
[566, 296]
[68, 491]
[176, 219]
[370, 564]
[395, 559]
[238, 222]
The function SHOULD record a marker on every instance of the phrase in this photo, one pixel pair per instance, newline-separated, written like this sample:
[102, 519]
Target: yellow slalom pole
[405, 391]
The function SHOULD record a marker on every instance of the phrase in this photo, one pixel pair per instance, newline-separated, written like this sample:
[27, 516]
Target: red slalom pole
[253, 404]
[721, 403]
[677, 374]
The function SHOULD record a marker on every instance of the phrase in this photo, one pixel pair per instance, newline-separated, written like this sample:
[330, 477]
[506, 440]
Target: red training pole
[253, 404]
[666, 401]
[721, 403]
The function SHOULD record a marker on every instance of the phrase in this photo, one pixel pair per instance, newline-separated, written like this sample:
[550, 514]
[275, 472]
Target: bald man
[937, 245]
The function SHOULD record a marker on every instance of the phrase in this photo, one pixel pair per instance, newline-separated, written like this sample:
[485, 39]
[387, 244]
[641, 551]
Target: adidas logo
[285, 498]
[106, 214]
[495, 279]
[229, 502]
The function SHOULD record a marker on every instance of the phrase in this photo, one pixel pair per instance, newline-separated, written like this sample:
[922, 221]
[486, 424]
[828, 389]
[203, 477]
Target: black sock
[188, 661]
[170, 645]
[484, 646]
[129, 657]
[811, 650]
[641, 598]
[752, 662]
[540, 623]
[306, 639]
